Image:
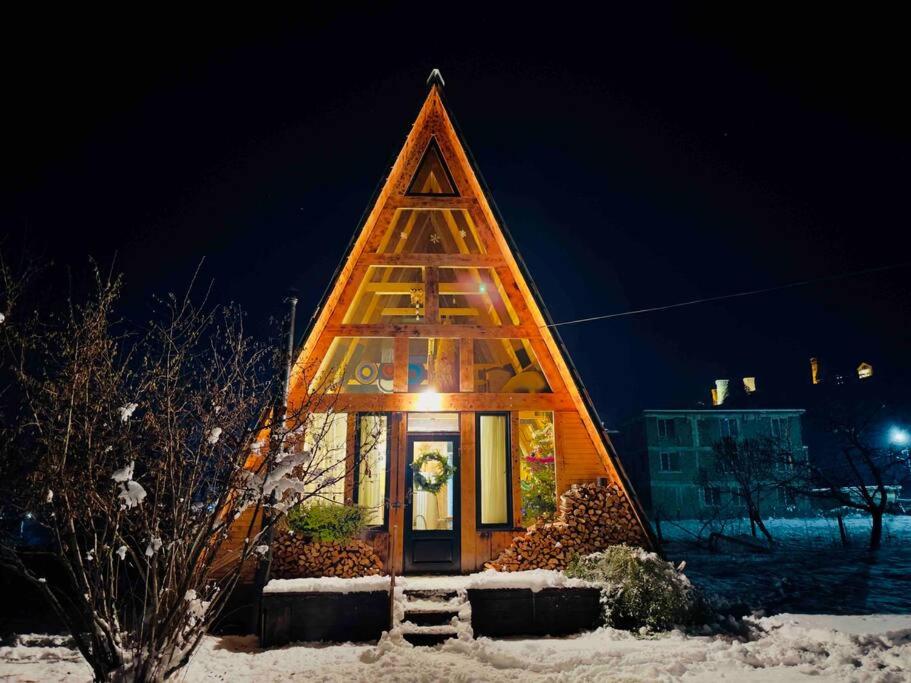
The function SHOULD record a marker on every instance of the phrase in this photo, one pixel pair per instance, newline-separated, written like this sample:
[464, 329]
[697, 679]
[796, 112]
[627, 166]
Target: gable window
[372, 470]
[729, 427]
[493, 470]
[670, 462]
[667, 430]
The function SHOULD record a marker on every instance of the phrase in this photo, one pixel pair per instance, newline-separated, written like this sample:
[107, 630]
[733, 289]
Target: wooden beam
[432, 203]
[420, 311]
[446, 402]
[466, 365]
[350, 494]
[443, 260]
[515, 454]
[422, 330]
[431, 295]
[406, 287]
[400, 365]
[467, 484]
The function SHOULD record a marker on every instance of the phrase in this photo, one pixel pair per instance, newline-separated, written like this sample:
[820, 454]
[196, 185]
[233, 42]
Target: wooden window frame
[509, 523]
[357, 465]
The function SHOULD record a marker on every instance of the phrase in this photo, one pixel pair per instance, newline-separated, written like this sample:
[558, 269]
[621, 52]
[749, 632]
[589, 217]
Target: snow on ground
[787, 647]
[820, 531]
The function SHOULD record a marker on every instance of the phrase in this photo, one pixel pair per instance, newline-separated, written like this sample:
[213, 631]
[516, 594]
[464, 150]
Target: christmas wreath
[432, 483]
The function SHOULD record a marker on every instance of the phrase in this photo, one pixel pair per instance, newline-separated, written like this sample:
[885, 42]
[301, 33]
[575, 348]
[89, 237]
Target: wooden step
[427, 638]
[439, 594]
[425, 618]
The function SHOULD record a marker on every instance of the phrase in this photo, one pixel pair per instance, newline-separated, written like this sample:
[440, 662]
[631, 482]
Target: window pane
[325, 437]
[431, 231]
[388, 294]
[474, 296]
[432, 511]
[537, 467]
[507, 366]
[433, 422]
[371, 480]
[493, 473]
[432, 176]
[433, 364]
[357, 365]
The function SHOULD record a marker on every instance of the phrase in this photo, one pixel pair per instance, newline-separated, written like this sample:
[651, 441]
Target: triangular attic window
[432, 176]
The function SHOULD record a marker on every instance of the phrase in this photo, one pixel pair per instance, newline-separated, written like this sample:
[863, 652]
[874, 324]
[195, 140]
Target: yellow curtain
[493, 469]
[325, 439]
[372, 471]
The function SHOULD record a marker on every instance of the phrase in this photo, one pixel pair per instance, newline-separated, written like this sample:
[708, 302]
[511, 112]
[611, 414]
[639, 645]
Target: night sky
[639, 159]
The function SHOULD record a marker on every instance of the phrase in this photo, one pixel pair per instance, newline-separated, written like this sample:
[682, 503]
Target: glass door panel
[432, 503]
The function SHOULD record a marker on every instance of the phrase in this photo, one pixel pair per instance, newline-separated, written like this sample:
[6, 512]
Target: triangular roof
[435, 131]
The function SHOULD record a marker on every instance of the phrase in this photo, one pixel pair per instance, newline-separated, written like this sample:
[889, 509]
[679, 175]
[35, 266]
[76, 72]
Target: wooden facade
[431, 312]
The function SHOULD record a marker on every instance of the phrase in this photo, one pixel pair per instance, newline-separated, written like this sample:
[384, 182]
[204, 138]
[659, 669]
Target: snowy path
[788, 648]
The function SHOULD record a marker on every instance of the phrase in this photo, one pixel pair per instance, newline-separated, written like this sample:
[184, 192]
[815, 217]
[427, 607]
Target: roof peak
[435, 78]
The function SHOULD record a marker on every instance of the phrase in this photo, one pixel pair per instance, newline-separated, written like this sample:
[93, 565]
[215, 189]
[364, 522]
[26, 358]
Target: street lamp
[899, 436]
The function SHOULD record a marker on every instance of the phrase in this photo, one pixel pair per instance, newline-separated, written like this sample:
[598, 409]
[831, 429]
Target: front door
[431, 537]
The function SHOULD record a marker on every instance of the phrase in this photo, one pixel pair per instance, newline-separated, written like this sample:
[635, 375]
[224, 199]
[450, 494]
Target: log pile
[589, 519]
[293, 557]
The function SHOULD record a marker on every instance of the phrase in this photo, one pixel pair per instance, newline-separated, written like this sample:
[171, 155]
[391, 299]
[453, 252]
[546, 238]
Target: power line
[722, 297]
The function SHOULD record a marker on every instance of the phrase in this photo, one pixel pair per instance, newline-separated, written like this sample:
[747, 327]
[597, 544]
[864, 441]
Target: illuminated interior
[537, 466]
[431, 231]
[432, 176]
[507, 366]
[474, 296]
[388, 294]
[433, 364]
[358, 365]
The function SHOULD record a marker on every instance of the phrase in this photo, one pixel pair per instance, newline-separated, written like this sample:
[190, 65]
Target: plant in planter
[328, 522]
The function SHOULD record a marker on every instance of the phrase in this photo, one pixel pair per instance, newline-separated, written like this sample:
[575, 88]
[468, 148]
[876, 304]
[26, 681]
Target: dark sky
[639, 157]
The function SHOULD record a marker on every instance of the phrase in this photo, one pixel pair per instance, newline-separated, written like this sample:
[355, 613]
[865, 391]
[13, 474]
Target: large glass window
[373, 466]
[474, 296]
[433, 364]
[507, 366]
[357, 365]
[538, 476]
[432, 176]
[493, 470]
[388, 294]
[431, 231]
[325, 437]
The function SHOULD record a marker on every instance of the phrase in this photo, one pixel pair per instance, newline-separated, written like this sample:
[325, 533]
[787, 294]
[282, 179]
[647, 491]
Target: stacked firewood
[295, 557]
[590, 518]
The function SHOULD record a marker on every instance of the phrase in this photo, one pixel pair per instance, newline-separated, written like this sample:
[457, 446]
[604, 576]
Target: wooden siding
[578, 460]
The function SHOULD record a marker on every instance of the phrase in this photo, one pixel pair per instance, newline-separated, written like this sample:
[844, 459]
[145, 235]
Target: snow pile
[783, 648]
[328, 584]
[533, 579]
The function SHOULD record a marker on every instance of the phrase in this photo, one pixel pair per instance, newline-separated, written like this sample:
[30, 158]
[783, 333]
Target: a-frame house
[435, 336]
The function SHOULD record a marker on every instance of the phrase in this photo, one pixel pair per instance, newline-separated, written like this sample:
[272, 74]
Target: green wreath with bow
[433, 483]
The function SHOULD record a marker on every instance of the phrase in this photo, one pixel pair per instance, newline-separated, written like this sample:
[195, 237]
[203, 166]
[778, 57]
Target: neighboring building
[665, 450]
[432, 335]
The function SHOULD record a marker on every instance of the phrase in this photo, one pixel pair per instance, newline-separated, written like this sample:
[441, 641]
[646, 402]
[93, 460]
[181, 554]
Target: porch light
[429, 400]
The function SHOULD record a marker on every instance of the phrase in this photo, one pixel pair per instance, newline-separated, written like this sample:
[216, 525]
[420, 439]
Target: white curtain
[493, 469]
[372, 471]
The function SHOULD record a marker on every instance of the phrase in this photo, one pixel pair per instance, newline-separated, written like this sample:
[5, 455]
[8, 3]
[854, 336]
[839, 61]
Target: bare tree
[862, 468]
[754, 467]
[143, 449]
